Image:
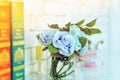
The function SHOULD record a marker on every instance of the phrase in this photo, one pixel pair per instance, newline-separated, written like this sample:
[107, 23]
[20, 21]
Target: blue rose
[75, 31]
[46, 37]
[64, 42]
[84, 49]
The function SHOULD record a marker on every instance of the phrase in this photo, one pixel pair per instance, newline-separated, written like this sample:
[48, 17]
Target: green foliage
[89, 43]
[86, 31]
[71, 56]
[68, 24]
[90, 31]
[95, 31]
[52, 49]
[38, 37]
[83, 41]
[63, 29]
[45, 48]
[80, 22]
[54, 26]
[92, 23]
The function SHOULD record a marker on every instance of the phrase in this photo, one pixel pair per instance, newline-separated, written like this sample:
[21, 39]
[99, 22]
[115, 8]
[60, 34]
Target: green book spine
[17, 15]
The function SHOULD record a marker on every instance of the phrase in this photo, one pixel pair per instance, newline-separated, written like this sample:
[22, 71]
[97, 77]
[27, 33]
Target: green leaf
[38, 37]
[68, 25]
[92, 23]
[52, 49]
[89, 43]
[45, 48]
[65, 29]
[90, 31]
[95, 31]
[83, 41]
[53, 26]
[71, 56]
[61, 29]
[86, 31]
[80, 22]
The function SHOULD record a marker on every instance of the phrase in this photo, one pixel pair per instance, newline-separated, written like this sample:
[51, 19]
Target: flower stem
[60, 69]
[53, 71]
[59, 74]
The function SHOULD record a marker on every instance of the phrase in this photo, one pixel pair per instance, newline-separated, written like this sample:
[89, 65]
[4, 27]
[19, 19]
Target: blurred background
[40, 13]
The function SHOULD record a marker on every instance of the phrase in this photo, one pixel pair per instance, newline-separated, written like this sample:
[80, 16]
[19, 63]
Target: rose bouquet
[65, 43]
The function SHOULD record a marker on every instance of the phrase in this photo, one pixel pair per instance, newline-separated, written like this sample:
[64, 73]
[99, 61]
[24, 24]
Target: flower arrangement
[65, 43]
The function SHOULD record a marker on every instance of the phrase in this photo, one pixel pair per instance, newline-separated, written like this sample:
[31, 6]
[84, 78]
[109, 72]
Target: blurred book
[5, 47]
[17, 17]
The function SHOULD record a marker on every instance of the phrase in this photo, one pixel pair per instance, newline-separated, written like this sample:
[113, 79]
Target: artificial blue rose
[46, 37]
[84, 49]
[64, 42]
[76, 32]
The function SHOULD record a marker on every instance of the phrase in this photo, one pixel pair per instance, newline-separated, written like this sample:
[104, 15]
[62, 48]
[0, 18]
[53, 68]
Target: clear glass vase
[61, 68]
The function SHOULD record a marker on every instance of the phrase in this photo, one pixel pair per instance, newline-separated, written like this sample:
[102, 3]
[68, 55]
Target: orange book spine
[5, 47]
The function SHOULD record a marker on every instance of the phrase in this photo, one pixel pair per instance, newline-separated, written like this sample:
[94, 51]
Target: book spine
[17, 15]
[5, 47]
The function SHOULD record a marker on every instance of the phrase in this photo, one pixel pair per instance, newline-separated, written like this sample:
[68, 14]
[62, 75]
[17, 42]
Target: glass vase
[61, 68]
